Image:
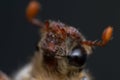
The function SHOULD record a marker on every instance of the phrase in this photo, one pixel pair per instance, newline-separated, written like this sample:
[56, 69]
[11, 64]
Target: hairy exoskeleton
[62, 51]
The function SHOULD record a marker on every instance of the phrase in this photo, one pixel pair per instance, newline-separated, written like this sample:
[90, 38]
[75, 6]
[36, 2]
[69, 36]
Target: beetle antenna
[32, 10]
[106, 37]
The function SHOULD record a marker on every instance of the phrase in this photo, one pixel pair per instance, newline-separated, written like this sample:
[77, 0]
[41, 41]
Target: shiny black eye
[77, 57]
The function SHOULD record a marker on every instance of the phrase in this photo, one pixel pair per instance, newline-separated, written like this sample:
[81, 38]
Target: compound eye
[77, 57]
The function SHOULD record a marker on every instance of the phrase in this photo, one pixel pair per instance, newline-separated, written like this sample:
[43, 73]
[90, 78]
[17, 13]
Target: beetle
[61, 52]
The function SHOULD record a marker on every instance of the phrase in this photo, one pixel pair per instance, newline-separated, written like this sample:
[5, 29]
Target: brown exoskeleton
[61, 52]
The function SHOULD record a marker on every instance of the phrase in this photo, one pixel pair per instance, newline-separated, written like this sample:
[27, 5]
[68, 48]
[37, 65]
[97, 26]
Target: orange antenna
[32, 10]
[106, 37]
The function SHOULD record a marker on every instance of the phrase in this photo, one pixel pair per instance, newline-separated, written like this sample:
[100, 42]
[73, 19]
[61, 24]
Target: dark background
[18, 37]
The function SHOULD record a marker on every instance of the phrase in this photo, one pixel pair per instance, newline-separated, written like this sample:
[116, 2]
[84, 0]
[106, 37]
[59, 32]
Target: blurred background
[18, 38]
